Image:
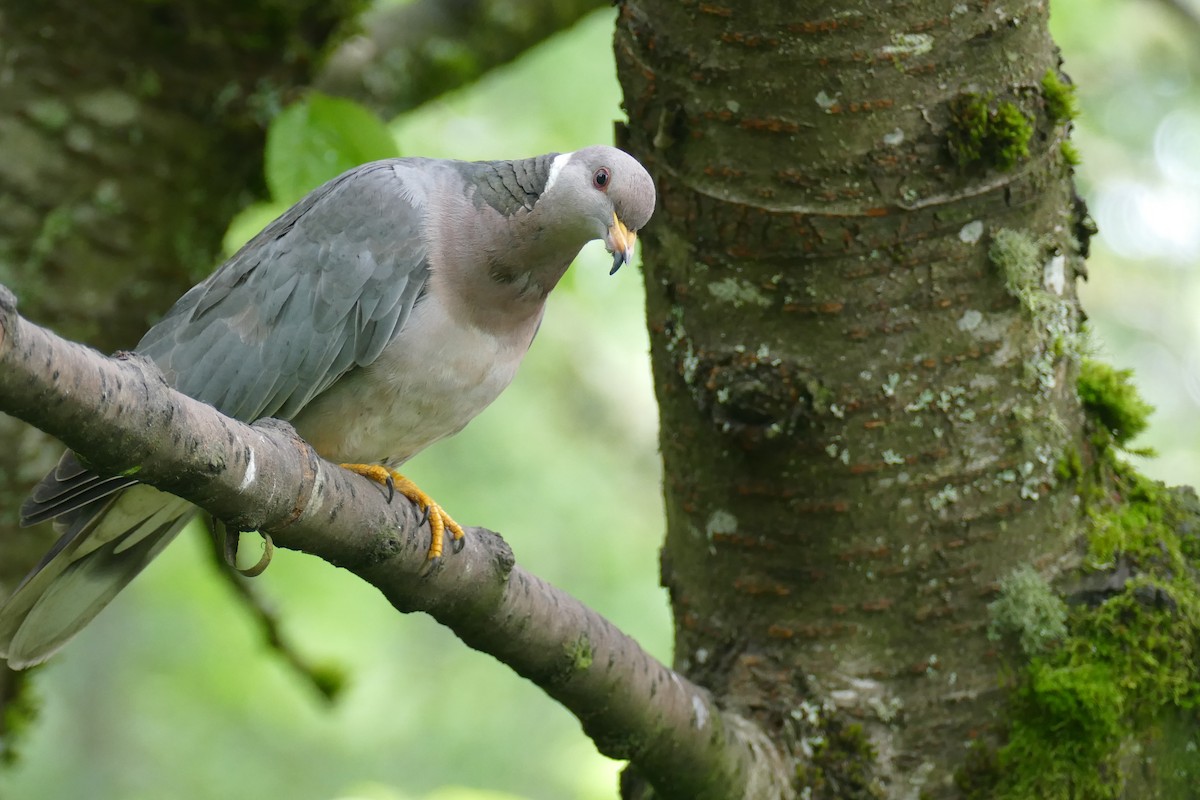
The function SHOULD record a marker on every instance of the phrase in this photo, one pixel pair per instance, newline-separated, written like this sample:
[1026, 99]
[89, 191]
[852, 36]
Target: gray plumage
[379, 314]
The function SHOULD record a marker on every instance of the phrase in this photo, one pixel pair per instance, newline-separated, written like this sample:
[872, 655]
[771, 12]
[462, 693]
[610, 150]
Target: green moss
[968, 129]
[1061, 107]
[1061, 746]
[580, 653]
[1070, 153]
[842, 765]
[1110, 397]
[988, 134]
[1147, 638]
[1028, 610]
[1128, 661]
[1070, 466]
[1115, 530]
[1010, 135]
[1059, 96]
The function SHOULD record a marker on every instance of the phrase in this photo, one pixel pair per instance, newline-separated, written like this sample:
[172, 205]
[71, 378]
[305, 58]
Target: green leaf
[249, 221]
[319, 138]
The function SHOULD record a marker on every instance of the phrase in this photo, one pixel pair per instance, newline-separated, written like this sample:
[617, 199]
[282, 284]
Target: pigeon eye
[601, 178]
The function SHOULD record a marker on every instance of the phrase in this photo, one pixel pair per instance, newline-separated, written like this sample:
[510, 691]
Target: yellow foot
[439, 520]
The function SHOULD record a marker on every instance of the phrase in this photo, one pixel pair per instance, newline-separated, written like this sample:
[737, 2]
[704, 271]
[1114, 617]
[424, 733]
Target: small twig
[18, 705]
[328, 680]
[1187, 13]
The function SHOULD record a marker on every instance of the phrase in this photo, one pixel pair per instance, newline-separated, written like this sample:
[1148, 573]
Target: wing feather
[302, 302]
[320, 291]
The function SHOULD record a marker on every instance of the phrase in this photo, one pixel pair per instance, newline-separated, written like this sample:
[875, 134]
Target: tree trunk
[866, 346]
[866, 340]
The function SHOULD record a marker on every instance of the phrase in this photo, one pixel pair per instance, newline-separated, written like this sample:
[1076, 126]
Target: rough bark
[865, 340]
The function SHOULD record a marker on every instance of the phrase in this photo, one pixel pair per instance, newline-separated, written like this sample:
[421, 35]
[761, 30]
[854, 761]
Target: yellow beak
[620, 242]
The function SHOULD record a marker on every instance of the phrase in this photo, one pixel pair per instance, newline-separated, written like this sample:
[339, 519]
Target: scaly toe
[439, 521]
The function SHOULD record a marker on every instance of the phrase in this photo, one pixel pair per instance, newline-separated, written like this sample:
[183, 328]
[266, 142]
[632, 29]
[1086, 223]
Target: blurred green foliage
[308, 143]
[1136, 69]
[170, 694]
[319, 138]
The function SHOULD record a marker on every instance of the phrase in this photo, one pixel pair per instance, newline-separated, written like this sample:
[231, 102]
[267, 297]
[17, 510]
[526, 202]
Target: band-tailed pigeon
[379, 314]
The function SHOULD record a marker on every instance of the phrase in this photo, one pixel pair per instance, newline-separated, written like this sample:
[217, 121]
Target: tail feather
[104, 547]
[67, 487]
[72, 527]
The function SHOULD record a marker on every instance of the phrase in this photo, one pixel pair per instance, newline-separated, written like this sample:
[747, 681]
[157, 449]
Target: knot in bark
[753, 397]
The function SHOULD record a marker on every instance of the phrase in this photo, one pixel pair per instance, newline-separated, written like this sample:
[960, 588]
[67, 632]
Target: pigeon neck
[502, 266]
[534, 258]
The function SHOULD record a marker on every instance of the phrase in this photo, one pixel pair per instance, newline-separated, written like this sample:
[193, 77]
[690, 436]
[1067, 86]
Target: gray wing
[321, 290]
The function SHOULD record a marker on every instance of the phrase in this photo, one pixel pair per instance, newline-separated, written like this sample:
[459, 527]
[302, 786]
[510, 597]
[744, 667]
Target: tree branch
[1186, 13]
[412, 53]
[327, 679]
[121, 416]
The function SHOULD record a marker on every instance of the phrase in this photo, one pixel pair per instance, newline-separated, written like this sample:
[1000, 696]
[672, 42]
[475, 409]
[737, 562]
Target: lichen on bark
[865, 354]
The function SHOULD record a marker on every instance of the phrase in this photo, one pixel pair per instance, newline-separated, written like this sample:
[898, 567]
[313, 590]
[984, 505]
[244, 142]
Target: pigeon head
[607, 191]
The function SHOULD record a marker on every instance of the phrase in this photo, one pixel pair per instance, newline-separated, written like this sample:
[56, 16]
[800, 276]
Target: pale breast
[430, 382]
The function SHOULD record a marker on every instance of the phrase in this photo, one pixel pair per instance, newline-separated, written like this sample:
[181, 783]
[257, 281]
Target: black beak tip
[618, 260]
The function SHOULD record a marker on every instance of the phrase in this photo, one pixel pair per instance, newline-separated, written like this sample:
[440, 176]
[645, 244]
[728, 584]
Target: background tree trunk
[132, 132]
[865, 337]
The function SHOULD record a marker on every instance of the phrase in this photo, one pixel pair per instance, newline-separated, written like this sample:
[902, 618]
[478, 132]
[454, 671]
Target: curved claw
[439, 521]
[229, 548]
[431, 567]
[264, 560]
